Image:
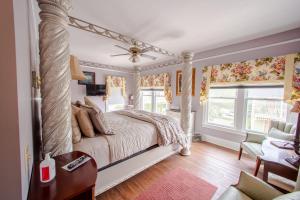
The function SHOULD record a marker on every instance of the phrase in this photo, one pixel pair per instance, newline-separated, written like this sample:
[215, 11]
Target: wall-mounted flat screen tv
[95, 90]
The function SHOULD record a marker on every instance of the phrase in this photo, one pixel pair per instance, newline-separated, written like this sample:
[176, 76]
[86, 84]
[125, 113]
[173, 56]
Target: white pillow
[275, 133]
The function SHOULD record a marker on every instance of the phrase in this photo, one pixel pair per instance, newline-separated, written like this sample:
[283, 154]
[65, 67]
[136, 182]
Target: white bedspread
[134, 131]
[168, 129]
[131, 136]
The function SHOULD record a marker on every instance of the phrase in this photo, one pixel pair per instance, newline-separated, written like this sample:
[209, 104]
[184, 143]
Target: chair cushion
[282, 126]
[254, 149]
[275, 133]
[290, 196]
[233, 194]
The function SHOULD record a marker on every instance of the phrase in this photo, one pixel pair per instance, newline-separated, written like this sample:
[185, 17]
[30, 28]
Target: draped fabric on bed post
[55, 76]
[186, 99]
[137, 88]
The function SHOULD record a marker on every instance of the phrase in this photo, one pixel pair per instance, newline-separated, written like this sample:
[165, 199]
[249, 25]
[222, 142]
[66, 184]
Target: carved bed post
[186, 99]
[137, 89]
[55, 76]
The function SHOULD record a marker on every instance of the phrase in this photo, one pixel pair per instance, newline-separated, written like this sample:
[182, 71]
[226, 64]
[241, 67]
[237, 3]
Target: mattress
[131, 136]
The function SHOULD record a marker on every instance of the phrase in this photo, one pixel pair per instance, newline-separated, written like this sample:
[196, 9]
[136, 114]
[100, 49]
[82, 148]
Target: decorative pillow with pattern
[98, 118]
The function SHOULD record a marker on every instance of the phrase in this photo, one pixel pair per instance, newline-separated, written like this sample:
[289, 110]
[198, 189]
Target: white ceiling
[177, 25]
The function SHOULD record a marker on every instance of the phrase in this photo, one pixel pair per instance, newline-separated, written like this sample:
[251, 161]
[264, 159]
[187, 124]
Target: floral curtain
[294, 95]
[280, 70]
[115, 81]
[162, 80]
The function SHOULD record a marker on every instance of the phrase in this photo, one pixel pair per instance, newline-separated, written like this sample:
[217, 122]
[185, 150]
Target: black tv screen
[95, 90]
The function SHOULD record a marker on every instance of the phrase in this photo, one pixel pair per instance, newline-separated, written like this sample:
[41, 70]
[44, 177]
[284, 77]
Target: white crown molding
[210, 54]
[278, 40]
[106, 67]
[161, 65]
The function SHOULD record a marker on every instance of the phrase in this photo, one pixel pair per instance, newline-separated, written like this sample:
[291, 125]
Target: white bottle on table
[47, 169]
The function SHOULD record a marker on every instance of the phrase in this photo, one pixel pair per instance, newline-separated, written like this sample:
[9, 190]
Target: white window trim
[239, 116]
[153, 100]
[246, 99]
[215, 126]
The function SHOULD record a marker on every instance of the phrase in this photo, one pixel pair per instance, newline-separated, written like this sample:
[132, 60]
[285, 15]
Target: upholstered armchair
[250, 187]
[253, 142]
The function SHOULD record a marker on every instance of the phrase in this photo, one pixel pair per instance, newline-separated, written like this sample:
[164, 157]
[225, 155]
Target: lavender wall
[15, 116]
[274, 45]
[10, 173]
[79, 91]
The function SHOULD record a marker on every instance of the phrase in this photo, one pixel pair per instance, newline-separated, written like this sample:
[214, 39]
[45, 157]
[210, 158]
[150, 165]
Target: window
[147, 100]
[263, 105]
[249, 109]
[154, 101]
[116, 101]
[221, 107]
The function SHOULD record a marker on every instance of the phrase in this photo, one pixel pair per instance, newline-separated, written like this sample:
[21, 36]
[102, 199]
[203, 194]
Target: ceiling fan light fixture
[134, 59]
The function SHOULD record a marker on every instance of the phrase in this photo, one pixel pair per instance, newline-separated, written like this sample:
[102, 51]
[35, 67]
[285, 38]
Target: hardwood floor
[214, 164]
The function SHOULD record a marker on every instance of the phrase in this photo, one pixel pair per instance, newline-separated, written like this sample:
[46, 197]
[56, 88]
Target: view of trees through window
[221, 107]
[154, 101]
[258, 107]
[264, 105]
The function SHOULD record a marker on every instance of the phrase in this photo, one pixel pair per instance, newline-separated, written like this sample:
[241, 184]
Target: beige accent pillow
[89, 102]
[98, 118]
[85, 123]
[76, 133]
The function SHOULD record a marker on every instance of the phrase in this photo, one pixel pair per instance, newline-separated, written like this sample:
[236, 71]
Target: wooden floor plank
[212, 163]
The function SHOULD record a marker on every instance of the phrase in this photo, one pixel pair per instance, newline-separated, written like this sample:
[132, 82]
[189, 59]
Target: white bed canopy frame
[56, 97]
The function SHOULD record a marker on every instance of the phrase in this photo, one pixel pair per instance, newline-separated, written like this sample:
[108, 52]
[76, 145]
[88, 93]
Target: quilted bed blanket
[169, 130]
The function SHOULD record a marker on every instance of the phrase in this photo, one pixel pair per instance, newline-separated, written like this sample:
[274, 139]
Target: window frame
[240, 115]
[108, 103]
[235, 113]
[246, 99]
[153, 98]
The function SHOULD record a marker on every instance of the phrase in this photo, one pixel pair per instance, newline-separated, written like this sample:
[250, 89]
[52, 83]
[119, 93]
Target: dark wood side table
[75, 185]
[274, 161]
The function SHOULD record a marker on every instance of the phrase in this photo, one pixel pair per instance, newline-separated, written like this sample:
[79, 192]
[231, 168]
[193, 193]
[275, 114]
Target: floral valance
[113, 82]
[162, 80]
[281, 70]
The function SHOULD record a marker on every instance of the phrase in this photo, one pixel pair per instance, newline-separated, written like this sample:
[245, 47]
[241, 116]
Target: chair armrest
[255, 188]
[255, 137]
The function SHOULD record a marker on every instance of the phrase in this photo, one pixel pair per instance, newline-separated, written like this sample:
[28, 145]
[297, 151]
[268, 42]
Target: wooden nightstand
[78, 184]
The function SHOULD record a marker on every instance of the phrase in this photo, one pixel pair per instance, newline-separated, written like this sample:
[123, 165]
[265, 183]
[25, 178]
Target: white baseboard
[221, 142]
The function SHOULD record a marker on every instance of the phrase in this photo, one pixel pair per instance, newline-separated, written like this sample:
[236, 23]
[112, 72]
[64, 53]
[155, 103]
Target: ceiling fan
[135, 53]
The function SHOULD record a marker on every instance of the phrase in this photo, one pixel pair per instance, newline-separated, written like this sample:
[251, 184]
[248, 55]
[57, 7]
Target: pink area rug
[179, 185]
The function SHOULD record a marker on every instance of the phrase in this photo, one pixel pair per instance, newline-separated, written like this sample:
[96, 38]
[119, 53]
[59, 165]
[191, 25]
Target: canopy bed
[127, 152]
[56, 102]
[138, 140]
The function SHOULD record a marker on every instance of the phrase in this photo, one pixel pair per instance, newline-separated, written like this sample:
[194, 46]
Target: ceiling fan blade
[148, 56]
[122, 47]
[123, 54]
[146, 49]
